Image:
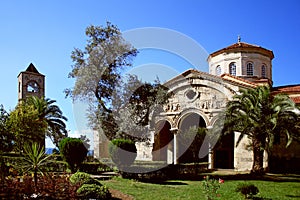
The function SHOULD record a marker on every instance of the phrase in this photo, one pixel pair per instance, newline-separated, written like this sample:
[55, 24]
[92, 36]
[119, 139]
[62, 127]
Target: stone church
[198, 97]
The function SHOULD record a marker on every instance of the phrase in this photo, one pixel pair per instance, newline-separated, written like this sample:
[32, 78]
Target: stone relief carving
[203, 98]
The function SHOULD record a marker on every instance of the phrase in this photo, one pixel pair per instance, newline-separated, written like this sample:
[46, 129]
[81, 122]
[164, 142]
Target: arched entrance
[190, 138]
[162, 141]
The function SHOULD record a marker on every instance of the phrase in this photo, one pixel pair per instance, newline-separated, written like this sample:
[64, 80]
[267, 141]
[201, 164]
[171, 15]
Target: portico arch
[189, 140]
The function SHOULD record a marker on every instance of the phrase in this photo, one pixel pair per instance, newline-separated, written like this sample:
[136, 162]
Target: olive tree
[99, 73]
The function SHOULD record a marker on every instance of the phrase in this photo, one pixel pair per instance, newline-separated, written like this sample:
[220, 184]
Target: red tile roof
[244, 47]
[296, 99]
[292, 90]
[238, 80]
[287, 89]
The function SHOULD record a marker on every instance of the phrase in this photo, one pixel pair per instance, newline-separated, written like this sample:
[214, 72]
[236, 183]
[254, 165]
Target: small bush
[248, 190]
[80, 177]
[73, 152]
[93, 191]
[122, 152]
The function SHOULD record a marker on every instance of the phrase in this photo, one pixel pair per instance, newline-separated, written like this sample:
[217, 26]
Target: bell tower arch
[31, 83]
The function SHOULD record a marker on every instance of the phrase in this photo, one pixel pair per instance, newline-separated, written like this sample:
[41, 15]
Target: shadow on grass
[293, 196]
[249, 176]
[168, 183]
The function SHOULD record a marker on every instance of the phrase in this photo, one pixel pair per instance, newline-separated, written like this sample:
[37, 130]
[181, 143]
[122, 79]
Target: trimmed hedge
[73, 152]
[93, 191]
[94, 167]
[122, 152]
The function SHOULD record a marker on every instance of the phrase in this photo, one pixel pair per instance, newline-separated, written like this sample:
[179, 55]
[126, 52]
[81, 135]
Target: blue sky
[45, 33]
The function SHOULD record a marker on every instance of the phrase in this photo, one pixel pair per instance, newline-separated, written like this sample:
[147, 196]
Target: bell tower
[31, 83]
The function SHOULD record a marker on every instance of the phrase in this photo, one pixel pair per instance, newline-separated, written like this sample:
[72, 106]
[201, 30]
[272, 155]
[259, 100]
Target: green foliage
[34, 159]
[211, 187]
[73, 152]
[122, 152]
[135, 106]
[79, 177]
[260, 115]
[94, 167]
[25, 124]
[120, 107]
[52, 115]
[93, 191]
[89, 187]
[248, 190]
[6, 137]
[35, 118]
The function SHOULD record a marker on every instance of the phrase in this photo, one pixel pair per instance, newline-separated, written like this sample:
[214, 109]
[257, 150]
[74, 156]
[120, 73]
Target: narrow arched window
[263, 71]
[232, 69]
[218, 70]
[250, 69]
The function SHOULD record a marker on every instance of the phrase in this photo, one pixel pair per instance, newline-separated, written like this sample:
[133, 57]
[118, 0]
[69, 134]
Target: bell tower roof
[31, 68]
[31, 83]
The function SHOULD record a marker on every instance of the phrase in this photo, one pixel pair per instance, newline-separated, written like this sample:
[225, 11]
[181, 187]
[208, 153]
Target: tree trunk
[258, 156]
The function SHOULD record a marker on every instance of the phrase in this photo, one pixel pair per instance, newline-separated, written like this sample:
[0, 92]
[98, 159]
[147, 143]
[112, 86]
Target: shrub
[93, 191]
[122, 152]
[49, 187]
[248, 190]
[73, 152]
[80, 177]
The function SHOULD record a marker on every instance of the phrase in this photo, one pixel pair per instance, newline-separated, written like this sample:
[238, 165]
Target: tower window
[250, 69]
[232, 69]
[263, 71]
[218, 70]
[33, 87]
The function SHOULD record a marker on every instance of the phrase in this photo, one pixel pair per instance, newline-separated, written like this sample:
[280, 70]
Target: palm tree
[53, 116]
[260, 116]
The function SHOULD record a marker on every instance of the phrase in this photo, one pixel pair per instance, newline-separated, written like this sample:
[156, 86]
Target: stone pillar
[210, 153]
[174, 131]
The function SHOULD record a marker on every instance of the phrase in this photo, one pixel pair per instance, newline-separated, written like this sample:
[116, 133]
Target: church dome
[248, 61]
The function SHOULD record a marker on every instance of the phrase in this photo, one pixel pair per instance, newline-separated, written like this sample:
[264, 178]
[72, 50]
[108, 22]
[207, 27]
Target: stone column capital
[174, 131]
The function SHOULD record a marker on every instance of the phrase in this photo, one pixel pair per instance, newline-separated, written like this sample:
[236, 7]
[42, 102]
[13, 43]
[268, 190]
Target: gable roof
[225, 77]
[244, 47]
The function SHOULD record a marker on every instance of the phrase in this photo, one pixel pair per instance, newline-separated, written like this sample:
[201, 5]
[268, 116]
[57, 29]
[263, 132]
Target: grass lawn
[177, 189]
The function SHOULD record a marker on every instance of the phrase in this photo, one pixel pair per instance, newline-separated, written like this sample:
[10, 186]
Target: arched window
[232, 69]
[263, 71]
[250, 69]
[32, 86]
[218, 70]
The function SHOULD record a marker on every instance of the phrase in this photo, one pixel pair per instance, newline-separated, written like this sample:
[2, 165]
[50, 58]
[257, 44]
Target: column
[210, 153]
[174, 131]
